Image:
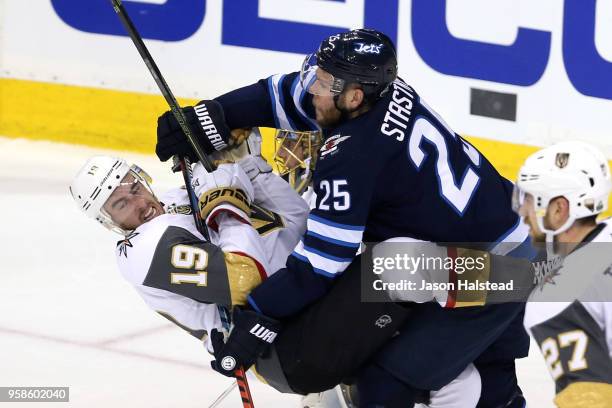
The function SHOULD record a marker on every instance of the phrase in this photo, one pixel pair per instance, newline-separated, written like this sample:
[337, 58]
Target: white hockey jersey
[183, 277]
[570, 317]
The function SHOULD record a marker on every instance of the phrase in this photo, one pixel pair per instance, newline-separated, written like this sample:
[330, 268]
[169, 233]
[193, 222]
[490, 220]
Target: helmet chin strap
[550, 234]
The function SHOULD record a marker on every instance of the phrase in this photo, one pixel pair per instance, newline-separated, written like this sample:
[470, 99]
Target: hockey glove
[251, 336]
[206, 120]
[225, 190]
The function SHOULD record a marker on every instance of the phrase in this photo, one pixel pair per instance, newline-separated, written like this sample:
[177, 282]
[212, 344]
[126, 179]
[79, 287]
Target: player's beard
[328, 117]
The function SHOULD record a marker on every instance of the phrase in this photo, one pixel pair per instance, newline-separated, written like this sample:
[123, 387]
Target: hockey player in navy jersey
[389, 166]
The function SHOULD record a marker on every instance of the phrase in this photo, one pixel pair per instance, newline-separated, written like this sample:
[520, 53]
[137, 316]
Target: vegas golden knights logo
[561, 160]
[179, 209]
[265, 221]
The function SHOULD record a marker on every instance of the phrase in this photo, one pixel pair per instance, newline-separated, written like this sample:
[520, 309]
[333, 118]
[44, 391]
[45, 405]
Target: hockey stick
[181, 163]
[245, 393]
[224, 394]
[161, 83]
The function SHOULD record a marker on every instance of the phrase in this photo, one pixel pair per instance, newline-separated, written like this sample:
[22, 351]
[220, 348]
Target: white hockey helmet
[574, 170]
[96, 181]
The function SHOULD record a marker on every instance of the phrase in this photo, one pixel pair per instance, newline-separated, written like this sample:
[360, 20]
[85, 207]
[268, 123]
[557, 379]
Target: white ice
[67, 318]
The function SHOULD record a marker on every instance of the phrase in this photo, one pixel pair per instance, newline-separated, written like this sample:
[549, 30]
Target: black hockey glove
[207, 121]
[250, 337]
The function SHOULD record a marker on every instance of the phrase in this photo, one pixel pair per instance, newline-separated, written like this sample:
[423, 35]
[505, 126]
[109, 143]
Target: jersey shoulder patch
[184, 264]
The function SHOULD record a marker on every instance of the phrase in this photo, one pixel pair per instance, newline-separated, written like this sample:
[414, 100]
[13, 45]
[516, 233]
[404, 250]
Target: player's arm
[188, 266]
[343, 186]
[278, 101]
[573, 343]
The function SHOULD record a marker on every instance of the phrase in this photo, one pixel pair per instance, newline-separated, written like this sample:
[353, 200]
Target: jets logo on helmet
[362, 56]
[368, 48]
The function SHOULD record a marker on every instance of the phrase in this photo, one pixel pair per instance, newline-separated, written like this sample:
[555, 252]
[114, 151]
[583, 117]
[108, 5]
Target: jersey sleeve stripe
[336, 224]
[274, 103]
[354, 245]
[274, 84]
[319, 263]
[299, 256]
[323, 272]
[253, 304]
[329, 248]
[298, 92]
[348, 236]
[326, 255]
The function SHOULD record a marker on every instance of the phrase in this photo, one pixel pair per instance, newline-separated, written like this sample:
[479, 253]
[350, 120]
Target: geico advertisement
[511, 69]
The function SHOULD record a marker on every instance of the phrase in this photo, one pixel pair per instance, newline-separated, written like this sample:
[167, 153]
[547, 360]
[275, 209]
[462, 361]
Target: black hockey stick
[241, 380]
[161, 83]
[183, 163]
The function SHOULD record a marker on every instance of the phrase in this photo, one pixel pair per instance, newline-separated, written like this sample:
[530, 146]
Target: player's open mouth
[150, 214]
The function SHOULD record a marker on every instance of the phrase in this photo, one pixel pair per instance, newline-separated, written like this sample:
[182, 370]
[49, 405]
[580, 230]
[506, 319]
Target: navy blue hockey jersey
[397, 170]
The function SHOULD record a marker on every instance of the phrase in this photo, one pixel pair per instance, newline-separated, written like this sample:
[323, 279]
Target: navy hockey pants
[435, 345]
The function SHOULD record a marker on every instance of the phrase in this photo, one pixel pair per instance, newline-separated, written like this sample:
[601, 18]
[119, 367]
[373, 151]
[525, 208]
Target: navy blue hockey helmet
[363, 56]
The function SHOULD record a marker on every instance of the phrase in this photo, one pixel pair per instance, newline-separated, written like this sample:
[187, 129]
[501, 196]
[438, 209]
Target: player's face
[292, 153]
[527, 211]
[327, 114]
[132, 204]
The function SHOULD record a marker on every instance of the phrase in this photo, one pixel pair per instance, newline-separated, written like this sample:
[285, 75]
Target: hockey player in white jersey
[254, 219]
[560, 191]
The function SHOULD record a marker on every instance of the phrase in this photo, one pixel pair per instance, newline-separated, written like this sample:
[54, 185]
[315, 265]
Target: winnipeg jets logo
[364, 48]
[123, 245]
[331, 145]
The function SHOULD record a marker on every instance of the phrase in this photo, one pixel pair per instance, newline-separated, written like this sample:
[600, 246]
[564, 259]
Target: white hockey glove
[225, 190]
